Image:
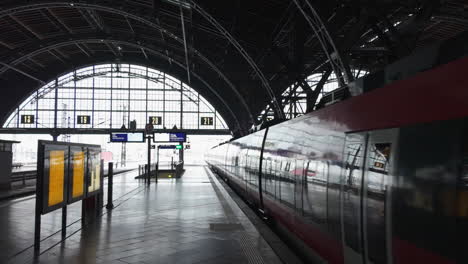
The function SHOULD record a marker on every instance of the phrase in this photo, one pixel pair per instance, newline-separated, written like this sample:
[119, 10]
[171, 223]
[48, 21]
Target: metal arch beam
[137, 17]
[341, 69]
[313, 96]
[148, 49]
[23, 73]
[243, 52]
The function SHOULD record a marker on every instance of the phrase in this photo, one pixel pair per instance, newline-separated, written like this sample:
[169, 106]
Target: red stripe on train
[322, 243]
[406, 253]
[325, 245]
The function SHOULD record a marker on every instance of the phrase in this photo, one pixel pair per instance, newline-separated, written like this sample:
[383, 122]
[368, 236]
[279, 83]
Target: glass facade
[112, 95]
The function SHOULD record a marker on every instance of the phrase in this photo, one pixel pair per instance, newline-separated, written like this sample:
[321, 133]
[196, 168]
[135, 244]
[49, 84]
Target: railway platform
[189, 220]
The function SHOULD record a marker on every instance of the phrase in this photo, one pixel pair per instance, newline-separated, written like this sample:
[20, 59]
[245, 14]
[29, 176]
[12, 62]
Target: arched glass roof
[112, 95]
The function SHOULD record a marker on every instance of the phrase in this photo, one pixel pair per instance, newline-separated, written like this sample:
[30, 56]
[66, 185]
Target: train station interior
[218, 132]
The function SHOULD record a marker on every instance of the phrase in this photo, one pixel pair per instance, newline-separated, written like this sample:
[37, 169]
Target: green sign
[178, 147]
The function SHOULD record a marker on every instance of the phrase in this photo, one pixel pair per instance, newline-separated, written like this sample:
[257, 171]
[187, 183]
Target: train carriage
[374, 179]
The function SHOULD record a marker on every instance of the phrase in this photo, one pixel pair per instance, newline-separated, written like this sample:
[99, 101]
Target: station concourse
[263, 131]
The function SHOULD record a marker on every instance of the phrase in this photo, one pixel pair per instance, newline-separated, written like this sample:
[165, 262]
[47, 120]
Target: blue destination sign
[167, 147]
[137, 137]
[177, 137]
[170, 137]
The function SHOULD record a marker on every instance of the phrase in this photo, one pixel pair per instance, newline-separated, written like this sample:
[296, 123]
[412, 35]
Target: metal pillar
[181, 153]
[149, 160]
[110, 185]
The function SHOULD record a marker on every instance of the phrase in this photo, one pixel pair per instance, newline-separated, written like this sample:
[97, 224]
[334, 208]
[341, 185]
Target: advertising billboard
[78, 173]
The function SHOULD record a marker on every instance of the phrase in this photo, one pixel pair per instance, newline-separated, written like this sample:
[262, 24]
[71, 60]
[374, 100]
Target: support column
[181, 153]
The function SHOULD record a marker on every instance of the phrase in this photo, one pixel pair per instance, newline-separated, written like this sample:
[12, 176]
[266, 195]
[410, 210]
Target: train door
[366, 220]
[351, 197]
[246, 170]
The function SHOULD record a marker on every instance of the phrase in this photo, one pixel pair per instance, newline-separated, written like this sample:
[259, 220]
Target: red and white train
[380, 178]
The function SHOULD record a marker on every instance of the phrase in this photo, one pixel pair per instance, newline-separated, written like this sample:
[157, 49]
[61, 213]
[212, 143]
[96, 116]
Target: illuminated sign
[83, 119]
[170, 137]
[179, 147]
[136, 137]
[155, 120]
[206, 121]
[52, 176]
[27, 119]
[78, 170]
[56, 177]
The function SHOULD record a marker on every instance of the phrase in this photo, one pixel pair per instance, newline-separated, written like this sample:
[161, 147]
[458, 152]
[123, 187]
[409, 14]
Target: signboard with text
[155, 120]
[206, 121]
[27, 119]
[129, 137]
[83, 119]
[170, 137]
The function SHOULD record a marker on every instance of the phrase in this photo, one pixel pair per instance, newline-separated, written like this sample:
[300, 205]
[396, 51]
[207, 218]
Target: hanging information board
[127, 137]
[206, 121]
[170, 137]
[66, 173]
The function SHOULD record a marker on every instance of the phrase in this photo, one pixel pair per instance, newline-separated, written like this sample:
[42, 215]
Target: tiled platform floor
[190, 220]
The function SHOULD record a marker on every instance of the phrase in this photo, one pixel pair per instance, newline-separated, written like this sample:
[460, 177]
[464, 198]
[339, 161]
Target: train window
[287, 184]
[315, 191]
[378, 162]
[267, 176]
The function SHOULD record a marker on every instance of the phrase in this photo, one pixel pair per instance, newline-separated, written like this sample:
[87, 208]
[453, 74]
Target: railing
[178, 167]
[32, 174]
[23, 176]
[143, 169]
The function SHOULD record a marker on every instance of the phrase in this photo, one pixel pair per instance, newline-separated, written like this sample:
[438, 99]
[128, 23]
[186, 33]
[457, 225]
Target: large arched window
[112, 95]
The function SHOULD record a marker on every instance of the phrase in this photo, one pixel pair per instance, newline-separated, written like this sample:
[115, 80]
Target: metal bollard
[146, 172]
[110, 183]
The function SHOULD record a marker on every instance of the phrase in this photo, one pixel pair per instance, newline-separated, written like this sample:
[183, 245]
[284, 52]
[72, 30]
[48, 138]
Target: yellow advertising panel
[78, 161]
[56, 177]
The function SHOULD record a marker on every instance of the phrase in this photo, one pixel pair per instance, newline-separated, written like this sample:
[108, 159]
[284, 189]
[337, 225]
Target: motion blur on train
[379, 178]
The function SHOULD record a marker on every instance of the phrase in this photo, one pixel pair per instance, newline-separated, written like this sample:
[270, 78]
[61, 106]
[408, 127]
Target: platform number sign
[27, 119]
[84, 120]
[206, 121]
[155, 120]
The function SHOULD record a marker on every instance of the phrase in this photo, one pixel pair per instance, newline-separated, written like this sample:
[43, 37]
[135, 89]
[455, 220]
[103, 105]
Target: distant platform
[187, 220]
